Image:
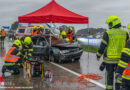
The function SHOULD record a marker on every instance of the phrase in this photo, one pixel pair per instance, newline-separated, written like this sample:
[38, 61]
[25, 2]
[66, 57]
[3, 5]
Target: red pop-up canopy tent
[53, 13]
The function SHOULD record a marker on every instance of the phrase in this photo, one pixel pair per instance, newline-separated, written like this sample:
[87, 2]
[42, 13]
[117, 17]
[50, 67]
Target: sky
[96, 10]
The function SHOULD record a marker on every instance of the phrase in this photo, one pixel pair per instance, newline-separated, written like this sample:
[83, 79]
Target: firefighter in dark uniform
[112, 43]
[123, 69]
[27, 45]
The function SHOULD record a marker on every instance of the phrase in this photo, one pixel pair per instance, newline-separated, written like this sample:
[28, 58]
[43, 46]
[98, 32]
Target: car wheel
[77, 59]
[52, 58]
[73, 60]
[59, 61]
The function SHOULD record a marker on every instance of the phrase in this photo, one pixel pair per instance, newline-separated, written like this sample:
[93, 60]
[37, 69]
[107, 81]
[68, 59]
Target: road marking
[77, 74]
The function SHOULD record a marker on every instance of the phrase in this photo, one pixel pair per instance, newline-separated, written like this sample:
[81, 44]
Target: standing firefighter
[128, 26]
[40, 29]
[123, 69]
[63, 34]
[112, 43]
[34, 31]
[12, 58]
[70, 34]
[3, 34]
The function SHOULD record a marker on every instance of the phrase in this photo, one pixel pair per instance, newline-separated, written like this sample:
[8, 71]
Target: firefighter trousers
[109, 77]
[2, 40]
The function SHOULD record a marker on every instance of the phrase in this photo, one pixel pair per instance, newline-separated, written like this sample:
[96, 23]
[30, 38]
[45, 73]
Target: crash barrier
[76, 84]
[33, 67]
[89, 41]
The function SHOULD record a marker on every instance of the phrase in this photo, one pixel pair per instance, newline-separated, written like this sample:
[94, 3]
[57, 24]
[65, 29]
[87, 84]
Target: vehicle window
[47, 31]
[28, 30]
[39, 41]
[56, 31]
[34, 40]
[21, 30]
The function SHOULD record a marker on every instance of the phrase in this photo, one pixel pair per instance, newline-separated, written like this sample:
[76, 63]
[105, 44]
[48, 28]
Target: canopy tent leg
[88, 48]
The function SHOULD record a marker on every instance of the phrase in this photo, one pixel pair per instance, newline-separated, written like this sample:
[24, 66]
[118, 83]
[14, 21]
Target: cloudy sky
[96, 10]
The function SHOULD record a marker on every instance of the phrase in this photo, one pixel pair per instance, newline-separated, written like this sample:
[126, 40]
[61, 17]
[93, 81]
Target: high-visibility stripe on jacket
[34, 32]
[126, 72]
[69, 35]
[117, 40]
[11, 58]
[3, 33]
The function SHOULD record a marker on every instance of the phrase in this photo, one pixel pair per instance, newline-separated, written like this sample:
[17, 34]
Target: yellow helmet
[70, 28]
[41, 26]
[35, 27]
[113, 21]
[27, 41]
[2, 28]
[128, 26]
[17, 43]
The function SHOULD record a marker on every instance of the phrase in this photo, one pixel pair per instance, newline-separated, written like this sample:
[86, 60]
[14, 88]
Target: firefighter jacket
[70, 36]
[62, 34]
[124, 63]
[13, 55]
[3, 33]
[26, 48]
[34, 32]
[111, 45]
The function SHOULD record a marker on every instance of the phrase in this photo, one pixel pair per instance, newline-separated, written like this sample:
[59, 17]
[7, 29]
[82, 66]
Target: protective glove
[118, 78]
[102, 66]
[118, 75]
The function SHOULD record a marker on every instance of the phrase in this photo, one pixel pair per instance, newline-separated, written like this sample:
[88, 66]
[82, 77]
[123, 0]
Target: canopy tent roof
[53, 13]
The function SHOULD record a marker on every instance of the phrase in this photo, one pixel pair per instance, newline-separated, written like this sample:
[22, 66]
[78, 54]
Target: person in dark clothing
[123, 68]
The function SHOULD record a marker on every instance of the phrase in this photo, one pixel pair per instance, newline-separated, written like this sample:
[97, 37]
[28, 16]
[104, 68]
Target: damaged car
[51, 47]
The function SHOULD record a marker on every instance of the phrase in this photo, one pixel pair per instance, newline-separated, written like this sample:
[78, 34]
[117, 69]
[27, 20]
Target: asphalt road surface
[64, 75]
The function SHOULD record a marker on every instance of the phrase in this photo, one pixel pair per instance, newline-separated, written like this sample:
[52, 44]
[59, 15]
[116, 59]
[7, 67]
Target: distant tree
[90, 31]
[14, 26]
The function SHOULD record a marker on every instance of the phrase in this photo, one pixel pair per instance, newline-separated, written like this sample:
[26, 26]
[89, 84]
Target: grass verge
[92, 49]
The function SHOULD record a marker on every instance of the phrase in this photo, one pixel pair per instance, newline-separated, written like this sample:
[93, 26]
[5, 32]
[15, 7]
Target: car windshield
[55, 31]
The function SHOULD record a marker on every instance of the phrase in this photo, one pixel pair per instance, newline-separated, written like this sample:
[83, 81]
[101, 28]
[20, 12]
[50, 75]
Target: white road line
[77, 74]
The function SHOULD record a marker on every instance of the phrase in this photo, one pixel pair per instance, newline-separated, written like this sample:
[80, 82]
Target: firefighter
[70, 34]
[12, 58]
[3, 34]
[34, 31]
[123, 69]
[63, 34]
[27, 45]
[40, 29]
[128, 26]
[112, 43]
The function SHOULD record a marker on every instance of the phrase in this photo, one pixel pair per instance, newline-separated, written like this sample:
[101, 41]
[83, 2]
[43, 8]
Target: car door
[41, 46]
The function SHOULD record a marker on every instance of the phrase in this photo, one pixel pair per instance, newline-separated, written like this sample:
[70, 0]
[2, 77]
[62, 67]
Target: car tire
[52, 58]
[77, 59]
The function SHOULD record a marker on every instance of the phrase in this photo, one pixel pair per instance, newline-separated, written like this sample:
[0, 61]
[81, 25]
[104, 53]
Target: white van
[23, 31]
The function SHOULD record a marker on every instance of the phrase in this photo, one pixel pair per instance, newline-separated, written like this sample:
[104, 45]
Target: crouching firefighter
[12, 58]
[123, 69]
